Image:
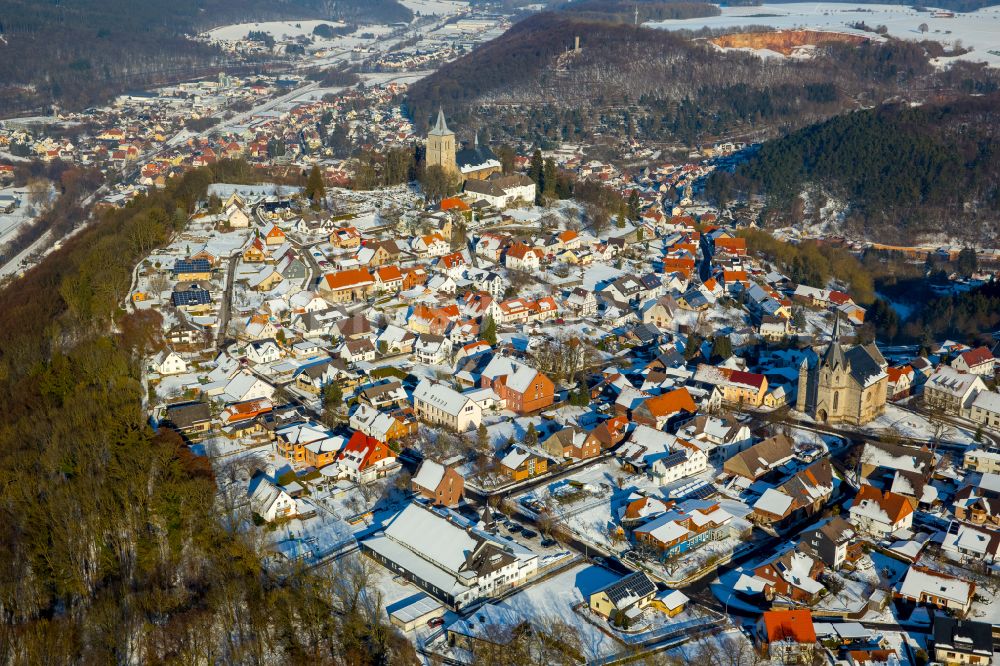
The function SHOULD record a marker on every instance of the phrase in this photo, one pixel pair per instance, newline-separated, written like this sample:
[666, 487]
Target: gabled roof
[872, 502]
[977, 356]
[629, 590]
[789, 625]
[671, 402]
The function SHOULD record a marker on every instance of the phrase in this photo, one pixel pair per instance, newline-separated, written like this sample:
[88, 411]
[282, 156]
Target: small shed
[414, 611]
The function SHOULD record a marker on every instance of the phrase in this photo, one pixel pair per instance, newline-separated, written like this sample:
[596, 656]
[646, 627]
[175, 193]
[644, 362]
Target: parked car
[548, 542]
[435, 622]
[514, 528]
[529, 534]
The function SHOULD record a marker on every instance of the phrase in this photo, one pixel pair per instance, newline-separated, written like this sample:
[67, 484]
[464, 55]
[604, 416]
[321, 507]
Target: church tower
[441, 146]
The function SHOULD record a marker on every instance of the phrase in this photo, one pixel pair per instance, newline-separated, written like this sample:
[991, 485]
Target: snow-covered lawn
[434, 7]
[979, 29]
[556, 597]
[915, 426]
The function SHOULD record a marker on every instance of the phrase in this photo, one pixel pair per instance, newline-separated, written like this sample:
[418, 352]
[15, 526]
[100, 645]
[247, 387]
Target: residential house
[347, 285]
[835, 542]
[985, 410]
[787, 636]
[922, 585]
[624, 599]
[971, 544]
[719, 437]
[522, 388]
[962, 641]
[668, 409]
[880, 513]
[571, 443]
[952, 391]
[190, 419]
[900, 382]
[684, 527]
[793, 575]
[761, 458]
[381, 425]
[438, 404]
[168, 362]
[364, 458]
[977, 361]
[439, 483]
[521, 463]
[268, 500]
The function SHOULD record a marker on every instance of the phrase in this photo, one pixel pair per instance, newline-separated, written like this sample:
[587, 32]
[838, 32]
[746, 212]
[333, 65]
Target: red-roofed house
[744, 388]
[347, 285]
[880, 513]
[669, 408]
[787, 636]
[900, 382]
[365, 458]
[977, 361]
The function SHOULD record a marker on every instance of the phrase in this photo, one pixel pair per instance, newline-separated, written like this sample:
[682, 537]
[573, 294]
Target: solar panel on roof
[634, 585]
[675, 458]
[702, 492]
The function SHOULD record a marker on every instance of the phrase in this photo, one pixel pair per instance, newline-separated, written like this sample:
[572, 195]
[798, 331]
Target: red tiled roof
[796, 625]
[977, 356]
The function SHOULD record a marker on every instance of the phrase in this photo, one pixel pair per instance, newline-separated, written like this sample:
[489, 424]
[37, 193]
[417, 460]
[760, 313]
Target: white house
[263, 351]
[439, 404]
[952, 391]
[977, 361]
[686, 460]
[880, 513]
[268, 500]
[985, 409]
[168, 362]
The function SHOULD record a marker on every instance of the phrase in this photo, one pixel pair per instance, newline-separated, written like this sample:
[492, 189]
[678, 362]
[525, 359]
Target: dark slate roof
[963, 635]
[188, 414]
[192, 296]
[633, 586]
[862, 365]
[474, 156]
[192, 266]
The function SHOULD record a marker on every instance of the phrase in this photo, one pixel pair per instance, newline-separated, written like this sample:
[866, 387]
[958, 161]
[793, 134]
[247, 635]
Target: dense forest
[623, 11]
[969, 317]
[657, 85]
[115, 544]
[951, 179]
[953, 5]
[79, 52]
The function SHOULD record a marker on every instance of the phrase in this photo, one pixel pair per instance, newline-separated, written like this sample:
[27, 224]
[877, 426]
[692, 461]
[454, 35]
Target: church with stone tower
[843, 385]
[477, 162]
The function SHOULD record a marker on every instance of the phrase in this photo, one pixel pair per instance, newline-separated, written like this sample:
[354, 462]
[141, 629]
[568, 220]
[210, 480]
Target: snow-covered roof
[919, 581]
[429, 475]
[774, 502]
[444, 398]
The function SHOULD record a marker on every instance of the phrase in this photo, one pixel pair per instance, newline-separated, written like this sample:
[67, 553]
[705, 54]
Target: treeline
[114, 544]
[968, 317]
[78, 54]
[651, 10]
[73, 184]
[659, 85]
[814, 264]
[911, 168]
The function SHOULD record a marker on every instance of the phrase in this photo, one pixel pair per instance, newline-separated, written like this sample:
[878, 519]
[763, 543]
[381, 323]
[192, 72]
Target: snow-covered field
[277, 29]
[555, 598]
[434, 7]
[979, 29]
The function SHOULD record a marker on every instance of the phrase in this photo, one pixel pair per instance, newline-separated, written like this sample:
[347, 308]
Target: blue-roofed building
[192, 269]
[194, 298]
